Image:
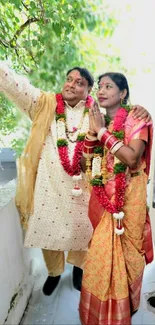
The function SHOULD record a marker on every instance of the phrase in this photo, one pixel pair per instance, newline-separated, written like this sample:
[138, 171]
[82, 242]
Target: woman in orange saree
[122, 241]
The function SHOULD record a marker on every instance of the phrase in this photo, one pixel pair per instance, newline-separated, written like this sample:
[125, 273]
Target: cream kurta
[60, 220]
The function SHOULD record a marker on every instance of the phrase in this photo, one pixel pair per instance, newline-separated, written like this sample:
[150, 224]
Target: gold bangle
[91, 137]
[92, 132]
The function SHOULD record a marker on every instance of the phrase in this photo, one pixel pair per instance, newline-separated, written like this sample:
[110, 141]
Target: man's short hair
[85, 74]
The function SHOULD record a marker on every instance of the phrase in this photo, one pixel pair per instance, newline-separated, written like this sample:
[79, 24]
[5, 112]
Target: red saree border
[93, 311]
[148, 241]
[134, 291]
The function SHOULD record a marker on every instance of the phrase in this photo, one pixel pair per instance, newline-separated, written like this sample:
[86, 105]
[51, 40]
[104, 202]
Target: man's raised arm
[18, 89]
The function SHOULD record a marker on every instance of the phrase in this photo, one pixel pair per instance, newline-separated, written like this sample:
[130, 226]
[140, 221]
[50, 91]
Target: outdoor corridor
[61, 308]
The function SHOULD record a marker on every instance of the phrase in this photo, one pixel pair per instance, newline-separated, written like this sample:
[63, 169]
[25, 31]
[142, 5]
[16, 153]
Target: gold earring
[122, 101]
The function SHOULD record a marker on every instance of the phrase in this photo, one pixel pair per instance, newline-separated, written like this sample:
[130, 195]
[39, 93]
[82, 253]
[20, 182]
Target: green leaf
[60, 116]
[119, 134]
[96, 182]
[62, 143]
[119, 168]
[81, 137]
[57, 29]
[59, 40]
[98, 150]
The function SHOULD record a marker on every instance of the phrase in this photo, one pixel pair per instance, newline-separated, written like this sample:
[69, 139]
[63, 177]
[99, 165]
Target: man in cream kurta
[60, 220]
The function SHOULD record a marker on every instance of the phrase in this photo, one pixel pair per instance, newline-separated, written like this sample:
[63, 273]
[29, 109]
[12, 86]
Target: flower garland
[119, 172]
[73, 169]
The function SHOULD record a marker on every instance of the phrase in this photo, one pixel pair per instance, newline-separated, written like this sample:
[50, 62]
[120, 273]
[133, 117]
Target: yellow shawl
[28, 162]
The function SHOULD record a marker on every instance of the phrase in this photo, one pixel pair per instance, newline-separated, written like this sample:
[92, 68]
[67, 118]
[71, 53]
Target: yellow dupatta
[28, 162]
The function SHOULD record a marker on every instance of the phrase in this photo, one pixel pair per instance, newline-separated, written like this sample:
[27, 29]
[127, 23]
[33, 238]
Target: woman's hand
[96, 119]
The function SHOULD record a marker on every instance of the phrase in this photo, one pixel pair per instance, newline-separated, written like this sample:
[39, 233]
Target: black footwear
[134, 312]
[151, 301]
[77, 278]
[50, 284]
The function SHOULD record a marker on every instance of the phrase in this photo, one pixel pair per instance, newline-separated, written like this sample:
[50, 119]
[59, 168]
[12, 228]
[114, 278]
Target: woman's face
[108, 93]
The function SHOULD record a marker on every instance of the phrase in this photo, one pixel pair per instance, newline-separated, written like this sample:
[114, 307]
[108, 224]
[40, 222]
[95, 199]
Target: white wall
[134, 39]
[17, 264]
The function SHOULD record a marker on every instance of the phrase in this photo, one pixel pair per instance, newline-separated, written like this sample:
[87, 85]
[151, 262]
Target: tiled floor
[61, 308]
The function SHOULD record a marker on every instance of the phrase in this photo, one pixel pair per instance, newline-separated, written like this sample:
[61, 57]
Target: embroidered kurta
[60, 220]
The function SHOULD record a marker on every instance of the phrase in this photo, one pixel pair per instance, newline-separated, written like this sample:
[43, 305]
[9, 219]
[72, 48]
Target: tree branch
[24, 67]
[2, 25]
[22, 27]
[32, 57]
[25, 6]
[42, 11]
[5, 44]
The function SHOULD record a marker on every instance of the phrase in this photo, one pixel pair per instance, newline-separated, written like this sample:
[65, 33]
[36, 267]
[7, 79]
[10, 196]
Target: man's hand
[141, 113]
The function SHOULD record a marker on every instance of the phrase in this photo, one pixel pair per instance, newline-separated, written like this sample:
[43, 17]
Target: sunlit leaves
[47, 37]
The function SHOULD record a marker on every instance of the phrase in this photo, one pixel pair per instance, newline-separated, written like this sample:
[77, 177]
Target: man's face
[75, 88]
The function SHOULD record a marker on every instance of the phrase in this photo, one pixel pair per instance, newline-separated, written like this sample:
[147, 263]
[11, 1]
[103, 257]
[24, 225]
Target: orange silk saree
[114, 266]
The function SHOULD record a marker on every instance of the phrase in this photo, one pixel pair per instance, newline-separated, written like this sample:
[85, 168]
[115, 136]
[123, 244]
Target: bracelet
[101, 132]
[91, 132]
[105, 136]
[109, 140]
[117, 146]
[89, 143]
[114, 144]
[91, 137]
[110, 136]
[88, 152]
[89, 147]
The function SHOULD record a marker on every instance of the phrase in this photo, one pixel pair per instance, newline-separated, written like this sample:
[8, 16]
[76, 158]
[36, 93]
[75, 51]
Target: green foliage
[86, 111]
[81, 137]
[60, 116]
[107, 119]
[98, 150]
[96, 182]
[8, 117]
[118, 134]
[45, 38]
[62, 143]
[119, 168]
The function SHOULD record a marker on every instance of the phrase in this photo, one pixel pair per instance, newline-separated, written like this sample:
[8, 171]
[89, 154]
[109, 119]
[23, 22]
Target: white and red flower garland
[120, 178]
[120, 185]
[73, 169]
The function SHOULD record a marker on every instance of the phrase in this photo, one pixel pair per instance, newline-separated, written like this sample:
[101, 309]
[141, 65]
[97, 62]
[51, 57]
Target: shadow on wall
[7, 165]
